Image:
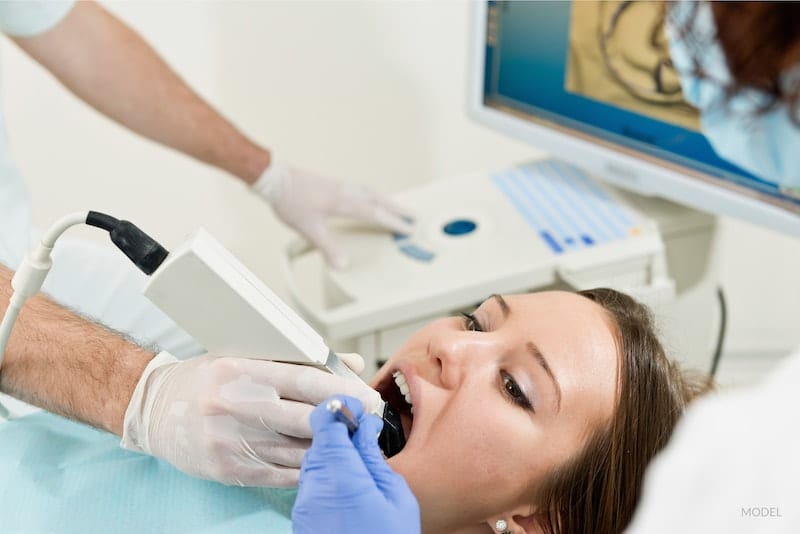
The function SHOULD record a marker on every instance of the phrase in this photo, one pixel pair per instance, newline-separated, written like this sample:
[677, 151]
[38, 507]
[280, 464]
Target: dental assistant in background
[232, 420]
[732, 465]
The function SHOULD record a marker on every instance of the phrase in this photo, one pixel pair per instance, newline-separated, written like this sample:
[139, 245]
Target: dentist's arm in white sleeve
[732, 465]
[110, 67]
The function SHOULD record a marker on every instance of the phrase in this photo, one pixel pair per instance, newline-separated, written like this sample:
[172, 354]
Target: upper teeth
[400, 380]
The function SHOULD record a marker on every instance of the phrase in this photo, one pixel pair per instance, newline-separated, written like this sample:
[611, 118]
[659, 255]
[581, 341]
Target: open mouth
[395, 392]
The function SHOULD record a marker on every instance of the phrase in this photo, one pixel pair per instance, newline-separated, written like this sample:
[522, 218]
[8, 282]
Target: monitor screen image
[600, 72]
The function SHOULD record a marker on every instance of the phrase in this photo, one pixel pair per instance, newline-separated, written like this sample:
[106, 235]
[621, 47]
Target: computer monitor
[591, 83]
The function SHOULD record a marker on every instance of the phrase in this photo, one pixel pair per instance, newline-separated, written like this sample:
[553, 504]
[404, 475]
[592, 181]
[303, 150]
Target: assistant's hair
[761, 42]
[597, 491]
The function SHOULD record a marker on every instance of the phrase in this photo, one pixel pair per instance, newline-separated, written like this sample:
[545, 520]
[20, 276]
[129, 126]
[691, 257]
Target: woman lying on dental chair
[732, 466]
[539, 410]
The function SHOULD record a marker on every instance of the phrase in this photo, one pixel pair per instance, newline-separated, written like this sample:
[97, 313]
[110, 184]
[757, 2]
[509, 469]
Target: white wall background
[369, 92]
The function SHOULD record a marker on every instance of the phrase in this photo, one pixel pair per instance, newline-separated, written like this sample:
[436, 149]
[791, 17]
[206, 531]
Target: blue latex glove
[345, 484]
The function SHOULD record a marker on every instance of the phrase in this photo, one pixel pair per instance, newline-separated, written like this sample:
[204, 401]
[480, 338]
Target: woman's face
[499, 399]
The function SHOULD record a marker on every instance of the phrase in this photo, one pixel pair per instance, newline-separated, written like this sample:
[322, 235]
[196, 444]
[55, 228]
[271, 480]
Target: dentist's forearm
[110, 67]
[65, 364]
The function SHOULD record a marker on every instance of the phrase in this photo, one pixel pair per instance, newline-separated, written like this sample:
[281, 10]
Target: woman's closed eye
[471, 322]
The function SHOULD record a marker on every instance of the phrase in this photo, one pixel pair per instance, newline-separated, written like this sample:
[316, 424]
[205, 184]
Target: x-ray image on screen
[619, 54]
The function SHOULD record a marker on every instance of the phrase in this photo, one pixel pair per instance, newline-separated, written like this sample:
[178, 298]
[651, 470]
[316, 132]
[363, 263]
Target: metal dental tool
[343, 415]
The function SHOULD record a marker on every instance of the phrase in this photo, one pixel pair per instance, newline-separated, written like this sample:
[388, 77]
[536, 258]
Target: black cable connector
[144, 251]
[101, 220]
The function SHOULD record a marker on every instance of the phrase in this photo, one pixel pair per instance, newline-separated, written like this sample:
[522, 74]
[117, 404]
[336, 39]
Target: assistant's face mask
[765, 144]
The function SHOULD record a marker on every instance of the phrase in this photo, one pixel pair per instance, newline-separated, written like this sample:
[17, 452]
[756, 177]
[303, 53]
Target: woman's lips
[406, 421]
[390, 392]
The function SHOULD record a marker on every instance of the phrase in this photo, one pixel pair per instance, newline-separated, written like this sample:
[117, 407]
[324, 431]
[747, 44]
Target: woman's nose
[458, 353]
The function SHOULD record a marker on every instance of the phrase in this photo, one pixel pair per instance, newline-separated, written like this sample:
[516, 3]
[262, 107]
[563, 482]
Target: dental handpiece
[392, 438]
[343, 414]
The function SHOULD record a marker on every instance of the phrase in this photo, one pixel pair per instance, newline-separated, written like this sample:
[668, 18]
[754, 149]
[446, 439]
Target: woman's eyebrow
[503, 305]
[532, 349]
[539, 357]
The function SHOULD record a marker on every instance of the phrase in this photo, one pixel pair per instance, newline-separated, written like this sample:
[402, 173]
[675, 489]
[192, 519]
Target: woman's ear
[529, 524]
[519, 521]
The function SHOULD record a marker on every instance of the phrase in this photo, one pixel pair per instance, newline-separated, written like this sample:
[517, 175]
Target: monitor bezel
[622, 166]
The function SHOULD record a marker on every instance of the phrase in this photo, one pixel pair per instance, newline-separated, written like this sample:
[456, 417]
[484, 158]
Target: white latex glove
[234, 420]
[732, 464]
[304, 201]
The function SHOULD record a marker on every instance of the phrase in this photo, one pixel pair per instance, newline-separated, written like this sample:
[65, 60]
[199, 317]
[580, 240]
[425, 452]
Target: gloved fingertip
[373, 403]
[353, 360]
[404, 227]
[397, 211]
[398, 224]
[370, 399]
[339, 262]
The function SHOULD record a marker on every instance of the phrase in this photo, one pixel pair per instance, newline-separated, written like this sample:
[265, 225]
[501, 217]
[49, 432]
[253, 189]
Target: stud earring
[501, 526]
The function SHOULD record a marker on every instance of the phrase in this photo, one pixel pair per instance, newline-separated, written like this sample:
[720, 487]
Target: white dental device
[226, 308]
[211, 295]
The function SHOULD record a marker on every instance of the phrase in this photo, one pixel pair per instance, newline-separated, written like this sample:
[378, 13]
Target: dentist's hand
[305, 201]
[346, 485]
[234, 420]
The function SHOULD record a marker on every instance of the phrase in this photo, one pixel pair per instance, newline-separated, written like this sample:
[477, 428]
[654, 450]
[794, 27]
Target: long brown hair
[597, 491]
